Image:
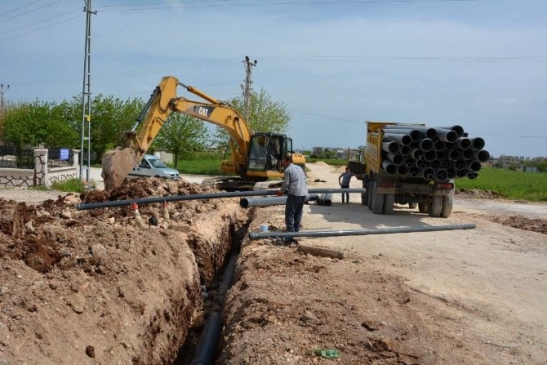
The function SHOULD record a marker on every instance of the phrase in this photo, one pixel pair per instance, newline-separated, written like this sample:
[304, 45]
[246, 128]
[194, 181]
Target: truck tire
[389, 200]
[447, 206]
[436, 206]
[365, 195]
[370, 195]
[377, 203]
[423, 208]
[412, 205]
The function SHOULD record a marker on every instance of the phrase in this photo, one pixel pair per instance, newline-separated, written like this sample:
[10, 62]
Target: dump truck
[416, 165]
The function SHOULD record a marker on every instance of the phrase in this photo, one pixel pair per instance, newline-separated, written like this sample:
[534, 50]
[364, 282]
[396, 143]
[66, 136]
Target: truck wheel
[365, 195]
[378, 203]
[447, 206]
[423, 208]
[412, 205]
[389, 200]
[436, 206]
[370, 195]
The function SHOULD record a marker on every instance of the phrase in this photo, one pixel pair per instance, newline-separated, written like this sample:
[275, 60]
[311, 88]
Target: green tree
[542, 167]
[110, 119]
[40, 123]
[181, 135]
[265, 115]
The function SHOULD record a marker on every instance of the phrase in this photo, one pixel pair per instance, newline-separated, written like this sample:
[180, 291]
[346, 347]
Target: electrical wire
[36, 30]
[30, 11]
[326, 117]
[42, 21]
[21, 7]
[314, 2]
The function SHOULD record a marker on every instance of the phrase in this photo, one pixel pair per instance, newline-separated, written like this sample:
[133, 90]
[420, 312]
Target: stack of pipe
[431, 153]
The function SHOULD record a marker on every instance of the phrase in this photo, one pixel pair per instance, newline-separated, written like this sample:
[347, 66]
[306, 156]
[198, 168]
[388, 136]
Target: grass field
[512, 184]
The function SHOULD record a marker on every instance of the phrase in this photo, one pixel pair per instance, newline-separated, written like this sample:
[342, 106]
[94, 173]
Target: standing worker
[294, 184]
[344, 180]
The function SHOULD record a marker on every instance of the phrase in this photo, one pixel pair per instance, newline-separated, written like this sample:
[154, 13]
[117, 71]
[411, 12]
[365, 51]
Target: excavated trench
[202, 337]
[110, 285]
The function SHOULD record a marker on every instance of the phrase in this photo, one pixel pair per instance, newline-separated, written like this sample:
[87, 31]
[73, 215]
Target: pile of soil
[96, 284]
[479, 194]
[520, 222]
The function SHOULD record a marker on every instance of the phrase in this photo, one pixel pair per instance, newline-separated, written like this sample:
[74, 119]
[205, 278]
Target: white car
[151, 166]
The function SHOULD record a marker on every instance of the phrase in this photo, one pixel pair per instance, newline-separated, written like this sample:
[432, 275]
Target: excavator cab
[267, 150]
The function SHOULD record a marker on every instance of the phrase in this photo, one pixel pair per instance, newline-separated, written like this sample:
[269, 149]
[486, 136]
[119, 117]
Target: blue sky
[335, 64]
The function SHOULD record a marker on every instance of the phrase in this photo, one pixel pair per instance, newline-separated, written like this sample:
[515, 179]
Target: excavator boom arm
[163, 101]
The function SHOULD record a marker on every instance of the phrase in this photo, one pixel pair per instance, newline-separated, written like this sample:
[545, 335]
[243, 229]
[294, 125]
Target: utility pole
[85, 151]
[2, 92]
[2, 108]
[247, 88]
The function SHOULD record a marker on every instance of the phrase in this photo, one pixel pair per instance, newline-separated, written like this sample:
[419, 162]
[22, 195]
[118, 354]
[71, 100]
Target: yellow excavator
[255, 157]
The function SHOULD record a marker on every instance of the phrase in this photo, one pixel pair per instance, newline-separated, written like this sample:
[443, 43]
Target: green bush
[71, 186]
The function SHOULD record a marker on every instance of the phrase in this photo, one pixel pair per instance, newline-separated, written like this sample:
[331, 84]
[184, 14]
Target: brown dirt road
[452, 297]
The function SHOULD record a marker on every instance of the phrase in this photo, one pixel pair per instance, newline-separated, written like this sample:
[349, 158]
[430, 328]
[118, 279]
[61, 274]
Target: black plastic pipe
[389, 168]
[463, 143]
[391, 146]
[207, 346]
[396, 159]
[482, 155]
[477, 143]
[456, 128]
[426, 131]
[447, 135]
[236, 194]
[403, 139]
[359, 232]
[325, 199]
[405, 150]
[415, 134]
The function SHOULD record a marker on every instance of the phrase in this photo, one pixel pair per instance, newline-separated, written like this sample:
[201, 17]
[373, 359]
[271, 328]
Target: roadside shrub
[70, 186]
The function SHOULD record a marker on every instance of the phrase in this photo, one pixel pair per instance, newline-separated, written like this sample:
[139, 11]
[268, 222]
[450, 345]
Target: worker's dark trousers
[345, 196]
[293, 212]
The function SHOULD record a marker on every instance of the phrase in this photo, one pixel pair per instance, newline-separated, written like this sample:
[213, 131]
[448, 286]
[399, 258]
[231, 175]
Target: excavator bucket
[116, 166]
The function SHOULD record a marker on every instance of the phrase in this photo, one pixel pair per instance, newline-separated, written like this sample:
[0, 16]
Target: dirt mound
[88, 284]
[520, 222]
[480, 194]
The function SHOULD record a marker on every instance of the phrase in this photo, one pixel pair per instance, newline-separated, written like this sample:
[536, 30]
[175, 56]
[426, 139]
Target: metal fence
[12, 156]
[59, 157]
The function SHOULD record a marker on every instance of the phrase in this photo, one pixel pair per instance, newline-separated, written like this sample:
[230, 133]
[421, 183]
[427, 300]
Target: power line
[42, 21]
[327, 117]
[21, 7]
[456, 59]
[30, 11]
[131, 73]
[36, 30]
[277, 3]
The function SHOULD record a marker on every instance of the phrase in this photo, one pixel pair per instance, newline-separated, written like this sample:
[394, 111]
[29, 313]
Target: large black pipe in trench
[207, 346]
[359, 232]
[236, 194]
